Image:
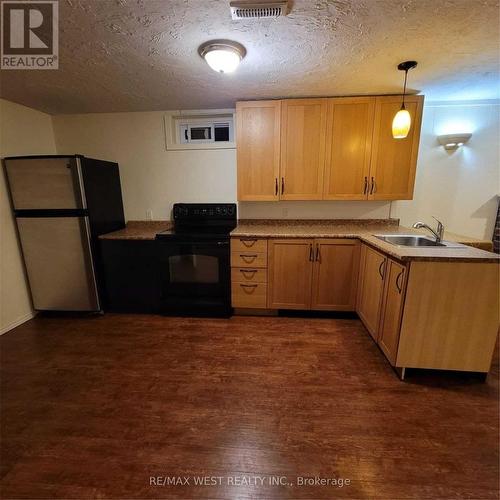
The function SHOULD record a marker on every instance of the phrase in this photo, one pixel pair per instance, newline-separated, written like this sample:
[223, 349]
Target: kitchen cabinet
[335, 274]
[131, 275]
[249, 273]
[258, 150]
[348, 148]
[326, 149]
[391, 310]
[394, 161]
[370, 288]
[303, 135]
[290, 273]
[318, 274]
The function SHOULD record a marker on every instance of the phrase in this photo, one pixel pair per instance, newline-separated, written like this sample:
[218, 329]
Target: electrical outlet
[284, 212]
[149, 214]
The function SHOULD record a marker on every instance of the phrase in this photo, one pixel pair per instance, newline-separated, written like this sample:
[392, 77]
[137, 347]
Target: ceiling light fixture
[222, 56]
[402, 120]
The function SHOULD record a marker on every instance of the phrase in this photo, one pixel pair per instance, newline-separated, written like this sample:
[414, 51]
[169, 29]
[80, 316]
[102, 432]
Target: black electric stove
[195, 269]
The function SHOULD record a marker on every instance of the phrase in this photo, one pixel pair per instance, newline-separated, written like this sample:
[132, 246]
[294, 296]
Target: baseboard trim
[17, 322]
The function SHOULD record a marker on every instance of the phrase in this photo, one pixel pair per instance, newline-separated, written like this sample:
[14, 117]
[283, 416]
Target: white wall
[23, 131]
[152, 177]
[460, 187]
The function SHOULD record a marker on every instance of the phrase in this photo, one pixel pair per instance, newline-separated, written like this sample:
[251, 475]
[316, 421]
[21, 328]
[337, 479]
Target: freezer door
[59, 263]
[45, 183]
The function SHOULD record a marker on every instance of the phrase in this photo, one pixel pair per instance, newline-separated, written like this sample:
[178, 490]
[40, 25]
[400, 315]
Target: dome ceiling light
[222, 56]
[402, 120]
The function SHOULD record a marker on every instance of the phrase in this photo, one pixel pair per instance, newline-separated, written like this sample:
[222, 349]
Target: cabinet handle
[398, 286]
[365, 189]
[248, 258]
[248, 288]
[276, 186]
[318, 255]
[250, 271]
[372, 186]
[380, 271]
[311, 255]
[282, 185]
[248, 242]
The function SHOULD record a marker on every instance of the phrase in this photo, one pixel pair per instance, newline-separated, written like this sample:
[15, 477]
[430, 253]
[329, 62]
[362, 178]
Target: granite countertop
[340, 228]
[363, 230]
[138, 230]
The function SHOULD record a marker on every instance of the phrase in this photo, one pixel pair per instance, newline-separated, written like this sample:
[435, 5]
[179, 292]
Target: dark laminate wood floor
[93, 407]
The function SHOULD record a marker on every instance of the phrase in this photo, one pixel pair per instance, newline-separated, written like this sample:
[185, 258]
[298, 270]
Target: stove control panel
[204, 211]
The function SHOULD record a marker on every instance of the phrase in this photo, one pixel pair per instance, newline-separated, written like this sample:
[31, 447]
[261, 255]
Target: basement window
[204, 131]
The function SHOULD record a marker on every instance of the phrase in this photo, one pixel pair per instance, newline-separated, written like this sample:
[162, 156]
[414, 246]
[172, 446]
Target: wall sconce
[453, 141]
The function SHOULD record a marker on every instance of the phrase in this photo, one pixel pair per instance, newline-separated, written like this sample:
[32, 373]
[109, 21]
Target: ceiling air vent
[258, 10]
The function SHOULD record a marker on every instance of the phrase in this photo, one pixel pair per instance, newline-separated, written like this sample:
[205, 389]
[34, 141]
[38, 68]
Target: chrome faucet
[438, 233]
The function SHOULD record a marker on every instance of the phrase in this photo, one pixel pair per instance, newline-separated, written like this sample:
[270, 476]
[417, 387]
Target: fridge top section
[45, 183]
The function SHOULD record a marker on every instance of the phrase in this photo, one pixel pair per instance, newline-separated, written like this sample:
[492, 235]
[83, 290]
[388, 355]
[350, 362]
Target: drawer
[249, 275]
[252, 295]
[248, 259]
[246, 244]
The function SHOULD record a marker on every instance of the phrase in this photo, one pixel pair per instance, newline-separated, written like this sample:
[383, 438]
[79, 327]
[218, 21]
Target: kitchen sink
[411, 240]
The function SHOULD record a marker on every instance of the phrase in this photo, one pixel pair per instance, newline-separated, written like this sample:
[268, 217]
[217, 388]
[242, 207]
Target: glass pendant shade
[401, 124]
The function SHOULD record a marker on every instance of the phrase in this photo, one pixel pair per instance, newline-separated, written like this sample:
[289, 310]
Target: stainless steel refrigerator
[61, 205]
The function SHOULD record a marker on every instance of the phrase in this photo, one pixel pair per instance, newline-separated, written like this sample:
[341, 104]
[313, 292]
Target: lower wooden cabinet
[290, 273]
[370, 288]
[335, 274]
[249, 273]
[392, 309]
[318, 274]
[382, 283]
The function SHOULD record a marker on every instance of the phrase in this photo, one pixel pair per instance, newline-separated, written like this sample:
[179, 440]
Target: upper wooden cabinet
[326, 149]
[348, 148]
[394, 161]
[303, 132]
[258, 150]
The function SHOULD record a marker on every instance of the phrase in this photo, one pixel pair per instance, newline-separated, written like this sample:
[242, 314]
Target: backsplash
[314, 210]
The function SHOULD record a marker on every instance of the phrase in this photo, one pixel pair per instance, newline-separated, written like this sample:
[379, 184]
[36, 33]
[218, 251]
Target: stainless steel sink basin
[414, 240]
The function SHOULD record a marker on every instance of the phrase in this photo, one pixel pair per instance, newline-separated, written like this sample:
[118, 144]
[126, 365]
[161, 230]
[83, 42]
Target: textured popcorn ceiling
[128, 55]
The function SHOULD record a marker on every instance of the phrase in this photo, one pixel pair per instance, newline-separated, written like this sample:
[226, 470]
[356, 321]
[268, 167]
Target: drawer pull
[248, 288]
[252, 272]
[249, 242]
[248, 258]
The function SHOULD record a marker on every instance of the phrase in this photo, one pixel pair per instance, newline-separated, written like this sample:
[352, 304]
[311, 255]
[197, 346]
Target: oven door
[195, 276]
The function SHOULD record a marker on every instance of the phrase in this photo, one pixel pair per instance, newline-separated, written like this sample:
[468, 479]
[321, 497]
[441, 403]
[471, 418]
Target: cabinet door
[335, 274]
[348, 148]
[303, 133]
[370, 288]
[290, 273]
[258, 150]
[392, 307]
[394, 161]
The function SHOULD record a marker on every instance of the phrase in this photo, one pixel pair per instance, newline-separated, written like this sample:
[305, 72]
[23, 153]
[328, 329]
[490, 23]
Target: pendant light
[402, 120]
